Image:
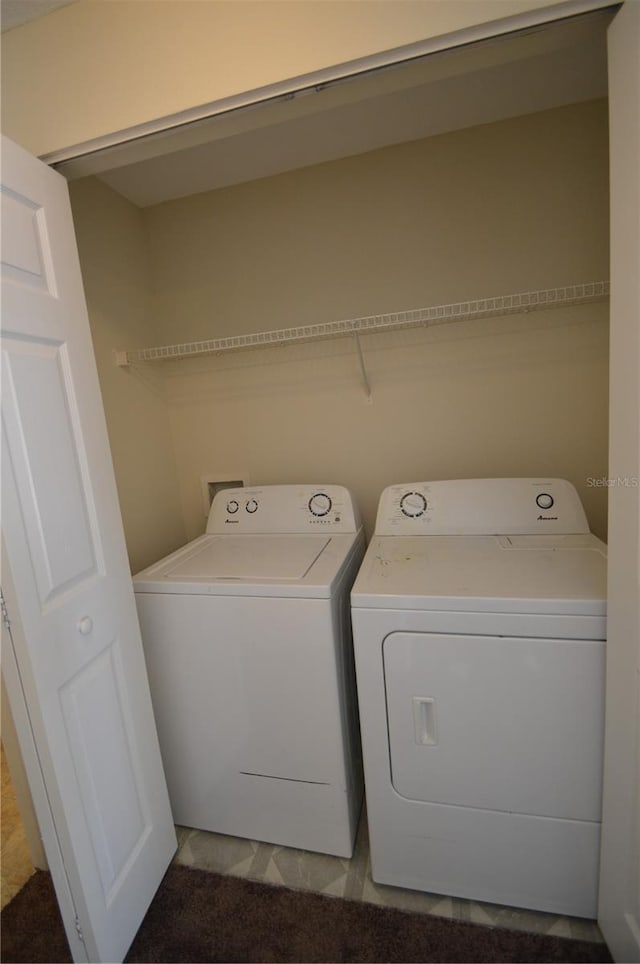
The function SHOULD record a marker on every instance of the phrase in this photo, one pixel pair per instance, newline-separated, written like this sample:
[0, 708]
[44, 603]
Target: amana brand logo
[548, 518]
[231, 522]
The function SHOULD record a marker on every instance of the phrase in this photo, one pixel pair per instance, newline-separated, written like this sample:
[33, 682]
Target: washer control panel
[283, 508]
[320, 504]
[481, 507]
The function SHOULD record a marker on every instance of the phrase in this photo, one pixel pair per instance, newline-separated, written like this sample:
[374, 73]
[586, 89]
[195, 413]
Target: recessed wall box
[211, 484]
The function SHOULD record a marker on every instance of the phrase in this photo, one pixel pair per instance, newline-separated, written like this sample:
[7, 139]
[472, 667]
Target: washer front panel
[254, 698]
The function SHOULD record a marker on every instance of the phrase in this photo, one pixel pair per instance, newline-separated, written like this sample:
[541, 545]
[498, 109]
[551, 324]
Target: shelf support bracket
[363, 367]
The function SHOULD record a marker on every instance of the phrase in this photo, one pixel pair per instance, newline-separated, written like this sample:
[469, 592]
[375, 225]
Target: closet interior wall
[115, 264]
[517, 205]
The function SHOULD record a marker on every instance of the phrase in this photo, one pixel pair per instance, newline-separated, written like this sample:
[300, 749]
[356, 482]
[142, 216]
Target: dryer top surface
[549, 574]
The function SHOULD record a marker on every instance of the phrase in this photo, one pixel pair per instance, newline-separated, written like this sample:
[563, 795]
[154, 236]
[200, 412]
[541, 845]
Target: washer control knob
[544, 500]
[320, 504]
[413, 504]
[232, 506]
[251, 506]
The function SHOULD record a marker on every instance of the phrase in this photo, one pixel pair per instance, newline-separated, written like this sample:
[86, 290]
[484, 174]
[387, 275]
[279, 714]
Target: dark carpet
[205, 917]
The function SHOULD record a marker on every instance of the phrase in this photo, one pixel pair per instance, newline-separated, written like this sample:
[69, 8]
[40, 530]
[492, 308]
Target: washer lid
[250, 557]
[563, 574]
[308, 566]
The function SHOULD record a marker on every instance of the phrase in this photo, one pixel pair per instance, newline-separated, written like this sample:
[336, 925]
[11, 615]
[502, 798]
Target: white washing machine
[479, 619]
[247, 638]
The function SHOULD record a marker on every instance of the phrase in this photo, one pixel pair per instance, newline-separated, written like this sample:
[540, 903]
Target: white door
[75, 641]
[619, 911]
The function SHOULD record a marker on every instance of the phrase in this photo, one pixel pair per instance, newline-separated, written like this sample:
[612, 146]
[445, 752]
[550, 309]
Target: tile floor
[303, 870]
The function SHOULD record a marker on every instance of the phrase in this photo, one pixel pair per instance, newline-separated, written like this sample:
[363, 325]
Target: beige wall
[115, 269]
[100, 66]
[513, 206]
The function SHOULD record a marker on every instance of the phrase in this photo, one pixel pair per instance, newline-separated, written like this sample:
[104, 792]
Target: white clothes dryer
[247, 638]
[479, 619]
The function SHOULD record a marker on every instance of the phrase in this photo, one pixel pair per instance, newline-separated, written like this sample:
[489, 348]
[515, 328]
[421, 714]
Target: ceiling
[14, 13]
[536, 69]
[543, 67]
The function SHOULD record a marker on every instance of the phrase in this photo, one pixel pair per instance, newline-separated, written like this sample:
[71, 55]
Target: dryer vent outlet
[211, 485]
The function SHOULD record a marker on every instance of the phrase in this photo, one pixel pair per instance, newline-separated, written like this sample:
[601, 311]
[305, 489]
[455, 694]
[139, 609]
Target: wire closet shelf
[509, 304]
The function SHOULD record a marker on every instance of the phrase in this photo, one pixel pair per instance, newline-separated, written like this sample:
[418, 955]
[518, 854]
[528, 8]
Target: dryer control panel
[481, 507]
[283, 508]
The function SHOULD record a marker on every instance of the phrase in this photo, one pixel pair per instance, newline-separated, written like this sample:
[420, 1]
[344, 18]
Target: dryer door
[496, 723]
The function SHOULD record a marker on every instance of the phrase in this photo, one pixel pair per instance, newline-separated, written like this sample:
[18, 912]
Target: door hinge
[79, 929]
[4, 611]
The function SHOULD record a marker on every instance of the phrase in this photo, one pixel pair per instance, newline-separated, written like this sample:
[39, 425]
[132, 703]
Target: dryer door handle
[424, 720]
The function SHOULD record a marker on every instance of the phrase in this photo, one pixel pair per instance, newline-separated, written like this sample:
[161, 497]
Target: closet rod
[436, 315]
